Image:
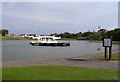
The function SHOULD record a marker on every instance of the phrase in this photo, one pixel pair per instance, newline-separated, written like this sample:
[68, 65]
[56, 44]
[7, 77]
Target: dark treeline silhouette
[102, 33]
[115, 34]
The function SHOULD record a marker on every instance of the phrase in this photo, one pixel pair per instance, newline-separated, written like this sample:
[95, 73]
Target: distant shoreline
[114, 42]
[4, 38]
[18, 38]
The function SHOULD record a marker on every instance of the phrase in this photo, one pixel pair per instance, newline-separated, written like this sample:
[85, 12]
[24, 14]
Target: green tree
[115, 34]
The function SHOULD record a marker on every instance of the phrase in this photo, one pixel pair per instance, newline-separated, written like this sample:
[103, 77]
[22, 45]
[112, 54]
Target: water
[22, 50]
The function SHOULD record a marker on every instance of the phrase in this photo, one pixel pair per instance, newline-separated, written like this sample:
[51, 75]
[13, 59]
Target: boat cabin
[47, 40]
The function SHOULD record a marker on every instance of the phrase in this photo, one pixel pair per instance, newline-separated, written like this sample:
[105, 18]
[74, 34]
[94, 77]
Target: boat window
[47, 39]
[51, 39]
[42, 39]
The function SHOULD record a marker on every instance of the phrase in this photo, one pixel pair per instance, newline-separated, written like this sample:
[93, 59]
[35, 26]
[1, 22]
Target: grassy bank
[113, 58]
[114, 42]
[66, 39]
[13, 38]
[57, 73]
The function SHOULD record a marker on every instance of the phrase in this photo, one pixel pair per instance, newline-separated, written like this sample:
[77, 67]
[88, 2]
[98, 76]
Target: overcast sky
[59, 17]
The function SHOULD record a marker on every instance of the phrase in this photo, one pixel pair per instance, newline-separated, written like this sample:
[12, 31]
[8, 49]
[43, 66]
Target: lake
[22, 50]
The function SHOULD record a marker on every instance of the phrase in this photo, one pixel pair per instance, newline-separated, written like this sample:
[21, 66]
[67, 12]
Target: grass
[67, 39]
[114, 42]
[13, 38]
[0, 74]
[57, 73]
[113, 58]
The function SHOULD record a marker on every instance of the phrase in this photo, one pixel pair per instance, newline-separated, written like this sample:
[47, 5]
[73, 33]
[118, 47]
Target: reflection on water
[22, 50]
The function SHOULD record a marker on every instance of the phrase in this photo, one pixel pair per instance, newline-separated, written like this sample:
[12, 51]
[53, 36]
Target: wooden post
[110, 48]
[105, 53]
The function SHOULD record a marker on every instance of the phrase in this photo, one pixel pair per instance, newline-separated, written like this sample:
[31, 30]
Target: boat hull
[50, 44]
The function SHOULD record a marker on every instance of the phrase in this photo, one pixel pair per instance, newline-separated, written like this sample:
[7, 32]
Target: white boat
[47, 41]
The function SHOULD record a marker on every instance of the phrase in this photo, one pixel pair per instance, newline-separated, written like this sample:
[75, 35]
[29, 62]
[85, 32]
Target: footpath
[90, 61]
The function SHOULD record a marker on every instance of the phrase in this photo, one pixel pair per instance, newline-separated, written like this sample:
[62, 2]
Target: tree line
[102, 33]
